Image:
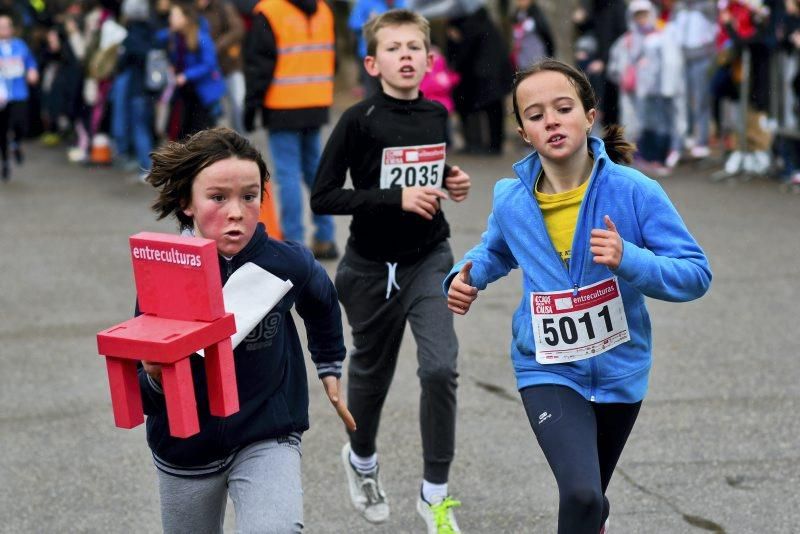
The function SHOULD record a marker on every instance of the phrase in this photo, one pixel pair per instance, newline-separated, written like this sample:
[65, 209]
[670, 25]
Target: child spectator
[17, 69]
[196, 103]
[658, 82]
[533, 39]
[438, 84]
[695, 28]
[227, 30]
[745, 26]
[393, 146]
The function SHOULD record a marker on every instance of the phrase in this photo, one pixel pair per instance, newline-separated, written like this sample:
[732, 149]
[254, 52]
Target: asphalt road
[716, 447]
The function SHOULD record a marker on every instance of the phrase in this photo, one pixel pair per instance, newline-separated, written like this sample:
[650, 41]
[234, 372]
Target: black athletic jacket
[380, 229]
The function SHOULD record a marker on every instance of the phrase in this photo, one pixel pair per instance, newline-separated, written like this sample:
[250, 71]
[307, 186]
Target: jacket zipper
[575, 285]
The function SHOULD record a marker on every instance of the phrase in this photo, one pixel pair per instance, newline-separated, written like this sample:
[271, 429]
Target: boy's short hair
[395, 17]
[177, 164]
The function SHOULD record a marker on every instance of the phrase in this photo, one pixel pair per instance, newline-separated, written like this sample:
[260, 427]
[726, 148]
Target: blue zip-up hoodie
[15, 60]
[269, 362]
[660, 260]
[200, 66]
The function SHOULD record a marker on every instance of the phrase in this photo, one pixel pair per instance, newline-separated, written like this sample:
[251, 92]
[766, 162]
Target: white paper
[250, 293]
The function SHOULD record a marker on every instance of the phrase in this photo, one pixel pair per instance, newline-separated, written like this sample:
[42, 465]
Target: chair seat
[161, 340]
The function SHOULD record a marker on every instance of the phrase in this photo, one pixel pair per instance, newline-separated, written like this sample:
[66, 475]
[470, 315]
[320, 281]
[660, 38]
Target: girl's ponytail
[619, 149]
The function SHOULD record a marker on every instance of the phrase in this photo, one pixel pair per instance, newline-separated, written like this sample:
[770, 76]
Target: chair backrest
[177, 277]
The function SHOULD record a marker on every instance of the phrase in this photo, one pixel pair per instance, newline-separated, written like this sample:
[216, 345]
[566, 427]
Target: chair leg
[126, 397]
[178, 386]
[223, 397]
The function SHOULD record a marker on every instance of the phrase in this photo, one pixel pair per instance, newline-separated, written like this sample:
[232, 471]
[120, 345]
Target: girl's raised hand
[331, 385]
[606, 245]
[461, 294]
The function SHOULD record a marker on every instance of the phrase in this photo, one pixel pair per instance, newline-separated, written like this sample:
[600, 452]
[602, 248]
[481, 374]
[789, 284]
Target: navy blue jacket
[270, 368]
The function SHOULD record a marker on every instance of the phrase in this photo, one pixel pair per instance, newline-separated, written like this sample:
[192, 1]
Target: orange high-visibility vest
[304, 69]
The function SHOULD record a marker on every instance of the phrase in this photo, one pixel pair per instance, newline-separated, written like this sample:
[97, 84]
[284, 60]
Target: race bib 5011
[569, 327]
[412, 166]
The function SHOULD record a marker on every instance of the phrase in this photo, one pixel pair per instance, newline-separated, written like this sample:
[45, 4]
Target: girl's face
[177, 19]
[225, 203]
[553, 119]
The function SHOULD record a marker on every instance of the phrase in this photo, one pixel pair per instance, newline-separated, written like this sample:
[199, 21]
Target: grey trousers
[378, 324]
[264, 484]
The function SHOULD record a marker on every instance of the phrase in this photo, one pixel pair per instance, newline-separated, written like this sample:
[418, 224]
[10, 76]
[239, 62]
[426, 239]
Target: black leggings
[582, 442]
[12, 117]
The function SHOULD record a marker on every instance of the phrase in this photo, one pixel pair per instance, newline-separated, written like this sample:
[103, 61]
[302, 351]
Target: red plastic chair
[180, 296]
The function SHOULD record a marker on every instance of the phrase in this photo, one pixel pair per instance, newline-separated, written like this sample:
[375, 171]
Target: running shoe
[366, 492]
[672, 159]
[439, 517]
[700, 152]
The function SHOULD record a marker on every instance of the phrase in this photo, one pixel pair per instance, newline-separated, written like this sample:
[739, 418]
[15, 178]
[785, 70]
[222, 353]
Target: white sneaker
[761, 162]
[672, 159]
[734, 162]
[748, 163]
[76, 155]
[439, 517]
[700, 152]
[366, 492]
[604, 528]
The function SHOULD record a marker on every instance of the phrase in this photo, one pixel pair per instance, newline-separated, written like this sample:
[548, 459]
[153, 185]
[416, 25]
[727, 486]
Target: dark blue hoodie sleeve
[153, 401]
[318, 305]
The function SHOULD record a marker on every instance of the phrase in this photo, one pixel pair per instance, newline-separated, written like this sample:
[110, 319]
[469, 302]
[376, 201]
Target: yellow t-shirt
[561, 216]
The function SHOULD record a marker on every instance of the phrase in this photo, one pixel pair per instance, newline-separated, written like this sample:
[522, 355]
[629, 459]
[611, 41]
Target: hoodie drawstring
[391, 279]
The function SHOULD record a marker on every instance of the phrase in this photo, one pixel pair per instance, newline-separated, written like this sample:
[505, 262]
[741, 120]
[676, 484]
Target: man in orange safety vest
[289, 66]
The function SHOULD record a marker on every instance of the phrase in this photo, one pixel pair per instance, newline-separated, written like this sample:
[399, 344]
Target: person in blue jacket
[17, 69]
[200, 85]
[213, 183]
[593, 238]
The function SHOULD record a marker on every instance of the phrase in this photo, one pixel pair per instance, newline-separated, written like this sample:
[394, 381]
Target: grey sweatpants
[378, 323]
[264, 484]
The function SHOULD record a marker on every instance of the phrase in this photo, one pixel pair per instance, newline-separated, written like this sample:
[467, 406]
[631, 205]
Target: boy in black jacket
[393, 144]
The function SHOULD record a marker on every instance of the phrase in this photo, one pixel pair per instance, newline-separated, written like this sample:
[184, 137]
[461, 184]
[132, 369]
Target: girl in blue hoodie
[17, 70]
[196, 104]
[593, 239]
